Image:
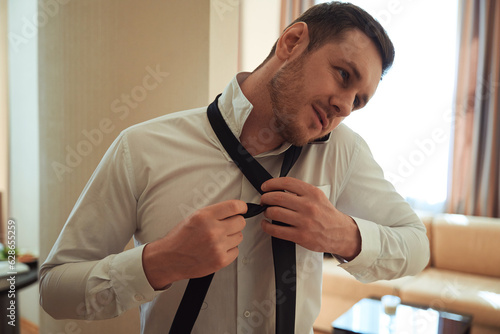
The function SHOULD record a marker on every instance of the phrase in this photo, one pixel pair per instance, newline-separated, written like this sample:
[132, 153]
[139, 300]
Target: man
[170, 183]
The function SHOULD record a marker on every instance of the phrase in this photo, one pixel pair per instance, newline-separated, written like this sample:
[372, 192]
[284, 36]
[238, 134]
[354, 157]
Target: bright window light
[408, 122]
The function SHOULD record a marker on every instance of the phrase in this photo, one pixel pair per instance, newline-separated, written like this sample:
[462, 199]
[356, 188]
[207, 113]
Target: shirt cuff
[360, 266]
[129, 280]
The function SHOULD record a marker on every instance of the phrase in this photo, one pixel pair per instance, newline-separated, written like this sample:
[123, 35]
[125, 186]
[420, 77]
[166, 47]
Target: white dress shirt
[158, 172]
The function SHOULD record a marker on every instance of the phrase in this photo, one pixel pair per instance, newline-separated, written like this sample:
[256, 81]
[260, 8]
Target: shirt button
[245, 260]
[204, 306]
[138, 297]
[246, 314]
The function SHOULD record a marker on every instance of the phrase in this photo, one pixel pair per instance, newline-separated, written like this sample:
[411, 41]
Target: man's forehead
[352, 41]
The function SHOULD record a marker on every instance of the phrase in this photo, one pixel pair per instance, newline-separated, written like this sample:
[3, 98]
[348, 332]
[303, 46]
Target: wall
[24, 191]
[93, 59]
[224, 32]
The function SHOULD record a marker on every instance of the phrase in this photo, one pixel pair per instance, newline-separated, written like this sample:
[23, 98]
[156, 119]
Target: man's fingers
[289, 184]
[233, 240]
[234, 224]
[233, 254]
[277, 231]
[280, 198]
[228, 209]
[282, 215]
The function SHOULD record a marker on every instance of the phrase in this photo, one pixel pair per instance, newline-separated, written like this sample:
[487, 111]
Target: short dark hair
[327, 22]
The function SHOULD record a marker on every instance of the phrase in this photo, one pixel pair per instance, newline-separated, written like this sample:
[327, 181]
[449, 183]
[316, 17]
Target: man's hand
[200, 245]
[314, 222]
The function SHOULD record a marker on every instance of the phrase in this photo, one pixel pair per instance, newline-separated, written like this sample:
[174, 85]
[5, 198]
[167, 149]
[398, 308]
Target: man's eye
[344, 74]
[355, 103]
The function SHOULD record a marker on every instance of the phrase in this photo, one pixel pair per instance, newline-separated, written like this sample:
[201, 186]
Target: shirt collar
[233, 104]
[235, 108]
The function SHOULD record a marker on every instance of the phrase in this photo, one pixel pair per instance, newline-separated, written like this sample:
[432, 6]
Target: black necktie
[283, 251]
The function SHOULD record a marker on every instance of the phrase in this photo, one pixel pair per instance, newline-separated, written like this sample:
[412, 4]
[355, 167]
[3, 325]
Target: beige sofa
[463, 275]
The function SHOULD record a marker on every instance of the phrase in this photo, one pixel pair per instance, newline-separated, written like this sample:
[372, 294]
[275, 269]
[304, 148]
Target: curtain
[291, 9]
[475, 172]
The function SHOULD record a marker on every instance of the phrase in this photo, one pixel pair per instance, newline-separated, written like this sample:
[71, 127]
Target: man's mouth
[321, 116]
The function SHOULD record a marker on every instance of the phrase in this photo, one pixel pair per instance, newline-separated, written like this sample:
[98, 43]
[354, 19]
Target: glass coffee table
[368, 317]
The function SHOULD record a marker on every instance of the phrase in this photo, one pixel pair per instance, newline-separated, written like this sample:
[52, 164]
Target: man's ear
[294, 40]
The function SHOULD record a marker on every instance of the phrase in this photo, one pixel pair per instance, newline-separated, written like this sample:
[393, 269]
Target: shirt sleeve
[87, 274]
[393, 239]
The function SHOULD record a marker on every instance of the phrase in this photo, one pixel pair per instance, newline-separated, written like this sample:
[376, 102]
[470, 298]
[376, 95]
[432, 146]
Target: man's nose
[343, 104]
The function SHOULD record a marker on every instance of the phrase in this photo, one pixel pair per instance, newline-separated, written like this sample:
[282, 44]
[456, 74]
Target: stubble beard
[285, 89]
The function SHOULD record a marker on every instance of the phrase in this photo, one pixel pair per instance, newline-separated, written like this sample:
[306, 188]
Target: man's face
[315, 91]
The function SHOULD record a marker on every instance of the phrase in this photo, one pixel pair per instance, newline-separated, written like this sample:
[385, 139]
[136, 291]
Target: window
[407, 124]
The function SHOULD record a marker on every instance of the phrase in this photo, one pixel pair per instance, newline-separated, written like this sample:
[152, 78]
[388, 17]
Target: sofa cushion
[467, 244]
[457, 292]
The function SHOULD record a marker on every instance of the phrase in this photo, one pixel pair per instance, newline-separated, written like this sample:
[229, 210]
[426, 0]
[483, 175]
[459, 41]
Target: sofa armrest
[467, 244]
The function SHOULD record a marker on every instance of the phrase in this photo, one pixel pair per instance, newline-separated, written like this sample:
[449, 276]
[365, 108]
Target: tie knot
[254, 210]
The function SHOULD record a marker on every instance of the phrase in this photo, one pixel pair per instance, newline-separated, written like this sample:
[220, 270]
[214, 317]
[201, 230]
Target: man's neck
[258, 134]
